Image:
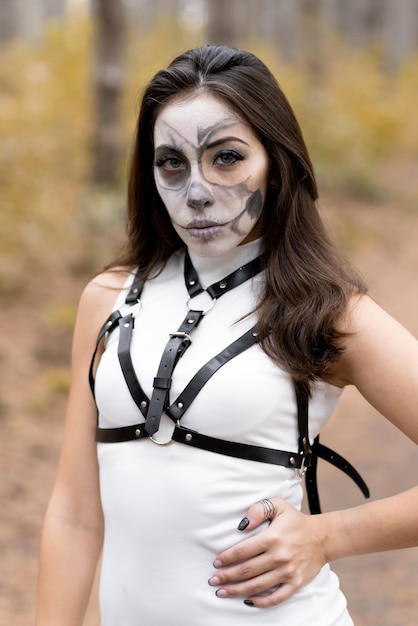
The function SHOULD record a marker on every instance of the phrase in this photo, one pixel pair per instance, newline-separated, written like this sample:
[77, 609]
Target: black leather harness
[304, 460]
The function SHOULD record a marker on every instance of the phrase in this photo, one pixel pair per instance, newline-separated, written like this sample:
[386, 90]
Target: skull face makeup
[211, 173]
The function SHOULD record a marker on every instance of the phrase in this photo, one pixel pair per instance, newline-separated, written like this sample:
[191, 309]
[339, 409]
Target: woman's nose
[199, 196]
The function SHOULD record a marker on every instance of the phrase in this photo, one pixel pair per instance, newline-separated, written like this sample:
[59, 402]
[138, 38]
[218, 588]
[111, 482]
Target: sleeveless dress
[169, 510]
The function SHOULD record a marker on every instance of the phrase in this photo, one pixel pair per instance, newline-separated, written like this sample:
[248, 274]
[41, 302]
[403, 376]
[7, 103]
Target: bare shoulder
[381, 360]
[371, 335]
[99, 295]
[97, 301]
[367, 324]
[363, 310]
[106, 285]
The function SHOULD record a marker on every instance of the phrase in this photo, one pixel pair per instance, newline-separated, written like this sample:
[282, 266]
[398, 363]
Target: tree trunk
[285, 20]
[27, 19]
[55, 9]
[17, 19]
[8, 26]
[313, 49]
[142, 13]
[109, 84]
[400, 30]
[224, 21]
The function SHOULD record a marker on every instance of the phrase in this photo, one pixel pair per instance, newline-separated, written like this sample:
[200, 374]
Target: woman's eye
[169, 163]
[228, 157]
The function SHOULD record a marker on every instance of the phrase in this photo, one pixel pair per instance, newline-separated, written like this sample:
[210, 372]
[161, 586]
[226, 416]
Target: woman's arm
[381, 360]
[73, 527]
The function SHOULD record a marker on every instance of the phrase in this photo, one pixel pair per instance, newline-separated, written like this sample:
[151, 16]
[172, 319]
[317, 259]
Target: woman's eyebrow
[204, 134]
[218, 142]
[167, 147]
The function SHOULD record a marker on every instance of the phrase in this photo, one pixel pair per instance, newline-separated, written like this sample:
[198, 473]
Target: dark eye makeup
[169, 162]
[227, 157]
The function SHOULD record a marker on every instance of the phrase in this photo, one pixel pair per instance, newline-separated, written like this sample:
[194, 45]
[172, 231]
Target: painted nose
[199, 196]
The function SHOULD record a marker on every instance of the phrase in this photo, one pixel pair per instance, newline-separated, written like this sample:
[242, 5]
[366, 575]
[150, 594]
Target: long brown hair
[308, 281]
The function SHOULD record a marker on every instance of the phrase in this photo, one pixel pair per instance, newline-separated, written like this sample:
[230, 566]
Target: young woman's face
[211, 173]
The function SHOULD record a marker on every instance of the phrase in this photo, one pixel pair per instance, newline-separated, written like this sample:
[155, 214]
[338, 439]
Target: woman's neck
[212, 269]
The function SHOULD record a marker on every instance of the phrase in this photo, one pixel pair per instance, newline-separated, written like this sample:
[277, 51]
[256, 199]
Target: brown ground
[381, 589]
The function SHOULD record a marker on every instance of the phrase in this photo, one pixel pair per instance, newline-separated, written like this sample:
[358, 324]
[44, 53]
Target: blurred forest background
[71, 72]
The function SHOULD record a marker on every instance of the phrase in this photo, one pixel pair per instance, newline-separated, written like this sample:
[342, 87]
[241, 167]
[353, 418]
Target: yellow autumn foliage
[44, 132]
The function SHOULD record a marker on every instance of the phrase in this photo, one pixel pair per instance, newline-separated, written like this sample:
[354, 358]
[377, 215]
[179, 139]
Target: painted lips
[203, 229]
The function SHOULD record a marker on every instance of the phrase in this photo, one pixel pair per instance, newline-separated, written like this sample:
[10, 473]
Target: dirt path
[381, 589]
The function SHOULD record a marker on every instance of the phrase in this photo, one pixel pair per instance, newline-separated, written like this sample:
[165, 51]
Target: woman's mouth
[203, 229]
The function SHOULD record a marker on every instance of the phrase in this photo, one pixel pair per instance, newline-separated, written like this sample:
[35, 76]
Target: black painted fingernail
[249, 603]
[243, 523]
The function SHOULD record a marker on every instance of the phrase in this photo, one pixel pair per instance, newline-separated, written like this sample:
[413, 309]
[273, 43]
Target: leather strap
[305, 460]
[184, 400]
[248, 452]
[135, 291]
[180, 340]
[217, 289]
[120, 434]
[311, 477]
[109, 325]
[310, 454]
[302, 402]
[174, 350]
[189, 393]
[204, 442]
[126, 326]
[112, 321]
[236, 449]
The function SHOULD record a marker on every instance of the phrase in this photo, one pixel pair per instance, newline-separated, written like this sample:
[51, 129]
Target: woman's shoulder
[371, 337]
[99, 296]
[360, 312]
[108, 284]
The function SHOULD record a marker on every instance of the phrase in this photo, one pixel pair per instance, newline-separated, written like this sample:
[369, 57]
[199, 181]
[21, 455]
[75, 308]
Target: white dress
[170, 510]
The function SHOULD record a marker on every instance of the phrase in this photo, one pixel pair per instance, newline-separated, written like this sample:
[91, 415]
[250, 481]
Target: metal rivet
[292, 460]
[138, 432]
[222, 285]
[189, 437]
[135, 290]
[304, 440]
[192, 282]
[144, 404]
[190, 321]
[109, 323]
[180, 405]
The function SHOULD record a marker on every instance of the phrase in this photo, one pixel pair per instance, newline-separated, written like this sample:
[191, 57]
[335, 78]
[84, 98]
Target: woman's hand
[271, 566]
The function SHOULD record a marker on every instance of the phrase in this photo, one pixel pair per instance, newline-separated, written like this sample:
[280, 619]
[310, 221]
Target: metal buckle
[306, 463]
[182, 335]
[303, 468]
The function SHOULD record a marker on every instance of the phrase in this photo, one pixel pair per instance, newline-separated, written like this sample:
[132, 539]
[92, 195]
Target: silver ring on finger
[269, 510]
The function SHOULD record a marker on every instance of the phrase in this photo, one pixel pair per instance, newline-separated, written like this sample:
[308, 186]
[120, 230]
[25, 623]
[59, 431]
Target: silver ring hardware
[212, 304]
[164, 443]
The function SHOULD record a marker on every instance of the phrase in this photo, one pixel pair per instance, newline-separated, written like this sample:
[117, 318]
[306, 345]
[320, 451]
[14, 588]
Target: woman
[230, 296]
